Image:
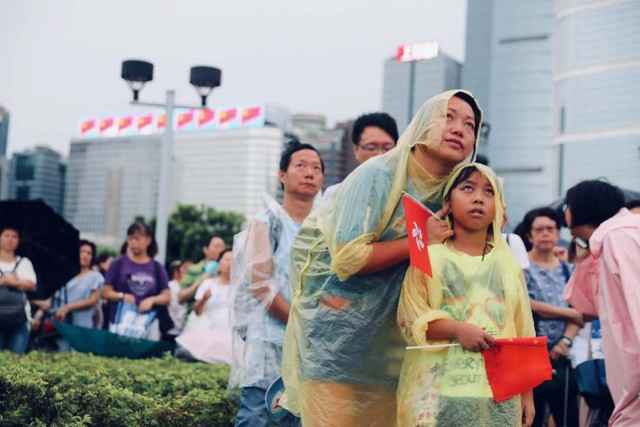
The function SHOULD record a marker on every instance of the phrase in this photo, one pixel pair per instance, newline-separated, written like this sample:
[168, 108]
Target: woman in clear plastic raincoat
[343, 350]
[480, 296]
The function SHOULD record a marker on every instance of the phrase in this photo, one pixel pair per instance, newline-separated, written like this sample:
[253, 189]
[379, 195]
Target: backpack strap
[18, 261]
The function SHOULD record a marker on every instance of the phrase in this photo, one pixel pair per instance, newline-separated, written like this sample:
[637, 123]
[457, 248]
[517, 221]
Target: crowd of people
[316, 298]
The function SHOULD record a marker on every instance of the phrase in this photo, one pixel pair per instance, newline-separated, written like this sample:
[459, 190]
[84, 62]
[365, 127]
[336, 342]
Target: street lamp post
[137, 73]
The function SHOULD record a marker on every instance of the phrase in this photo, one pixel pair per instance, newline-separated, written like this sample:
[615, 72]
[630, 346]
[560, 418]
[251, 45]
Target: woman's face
[138, 243]
[86, 255]
[545, 234]
[9, 240]
[225, 263]
[473, 203]
[458, 134]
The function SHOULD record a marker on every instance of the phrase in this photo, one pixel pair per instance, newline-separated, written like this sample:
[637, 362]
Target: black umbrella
[50, 242]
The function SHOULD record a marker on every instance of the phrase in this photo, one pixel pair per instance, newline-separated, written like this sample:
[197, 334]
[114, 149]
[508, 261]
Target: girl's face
[9, 240]
[225, 263]
[86, 255]
[138, 243]
[473, 204]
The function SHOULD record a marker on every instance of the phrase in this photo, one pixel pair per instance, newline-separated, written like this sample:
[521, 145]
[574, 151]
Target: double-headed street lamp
[137, 73]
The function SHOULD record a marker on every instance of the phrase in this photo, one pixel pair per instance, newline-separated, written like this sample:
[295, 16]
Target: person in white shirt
[177, 310]
[207, 334]
[17, 276]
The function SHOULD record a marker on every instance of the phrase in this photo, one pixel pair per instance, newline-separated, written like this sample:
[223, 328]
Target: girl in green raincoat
[343, 350]
[477, 293]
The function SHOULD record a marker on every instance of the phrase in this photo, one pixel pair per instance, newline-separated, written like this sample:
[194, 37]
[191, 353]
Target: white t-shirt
[517, 249]
[177, 311]
[24, 271]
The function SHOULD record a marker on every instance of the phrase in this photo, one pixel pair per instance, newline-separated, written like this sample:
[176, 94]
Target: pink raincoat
[608, 284]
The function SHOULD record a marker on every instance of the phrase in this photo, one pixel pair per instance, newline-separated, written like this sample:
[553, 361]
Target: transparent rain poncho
[448, 386]
[343, 350]
[259, 272]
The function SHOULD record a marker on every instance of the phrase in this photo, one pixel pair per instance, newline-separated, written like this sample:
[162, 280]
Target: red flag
[125, 122]
[144, 121]
[86, 126]
[416, 215]
[205, 116]
[185, 118]
[228, 115]
[106, 124]
[250, 113]
[516, 365]
[162, 121]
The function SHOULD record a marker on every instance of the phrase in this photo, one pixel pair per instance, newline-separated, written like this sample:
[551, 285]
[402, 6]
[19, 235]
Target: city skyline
[63, 61]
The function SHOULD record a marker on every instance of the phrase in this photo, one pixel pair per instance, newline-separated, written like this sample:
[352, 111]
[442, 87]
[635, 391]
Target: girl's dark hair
[8, 227]
[593, 202]
[141, 227]
[174, 267]
[633, 204]
[222, 254]
[92, 245]
[462, 177]
[102, 257]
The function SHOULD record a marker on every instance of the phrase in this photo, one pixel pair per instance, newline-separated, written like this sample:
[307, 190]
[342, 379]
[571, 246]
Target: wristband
[568, 341]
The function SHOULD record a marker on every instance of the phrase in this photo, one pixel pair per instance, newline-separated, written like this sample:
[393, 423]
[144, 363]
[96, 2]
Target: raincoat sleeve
[621, 252]
[259, 268]
[523, 316]
[420, 303]
[352, 221]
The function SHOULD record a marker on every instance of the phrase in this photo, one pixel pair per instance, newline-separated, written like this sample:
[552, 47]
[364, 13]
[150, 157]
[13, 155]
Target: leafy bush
[73, 389]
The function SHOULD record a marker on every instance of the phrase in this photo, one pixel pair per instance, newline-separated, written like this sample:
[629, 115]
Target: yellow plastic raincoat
[448, 386]
[343, 350]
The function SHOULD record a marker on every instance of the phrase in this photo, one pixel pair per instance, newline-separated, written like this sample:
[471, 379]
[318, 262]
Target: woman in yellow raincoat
[343, 350]
[477, 293]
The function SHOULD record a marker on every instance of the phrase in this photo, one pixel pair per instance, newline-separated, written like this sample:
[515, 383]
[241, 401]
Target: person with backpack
[261, 303]
[546, 279]
[17, 276]
[138, 285]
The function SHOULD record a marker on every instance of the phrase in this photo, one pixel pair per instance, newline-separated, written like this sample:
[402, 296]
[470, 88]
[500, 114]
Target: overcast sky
[60, 60]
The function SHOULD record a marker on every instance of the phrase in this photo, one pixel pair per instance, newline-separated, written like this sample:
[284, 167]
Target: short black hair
[293, 147]
[141, 227]
[174, 266]
[380, 120]
[482, 159]
[524, 228]
[592, 202]
[633, 204]
[102, 257]
[223, 254]
[12, 228]
[92, 245]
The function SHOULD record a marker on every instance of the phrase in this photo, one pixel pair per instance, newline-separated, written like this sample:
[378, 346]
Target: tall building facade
[596, 76]
[112, 180]
[509, 68]
[312, 129]
[407, 85]
[38, 173]
[4, 131]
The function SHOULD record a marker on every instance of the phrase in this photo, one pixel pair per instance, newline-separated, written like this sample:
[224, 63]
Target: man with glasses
[373, 134]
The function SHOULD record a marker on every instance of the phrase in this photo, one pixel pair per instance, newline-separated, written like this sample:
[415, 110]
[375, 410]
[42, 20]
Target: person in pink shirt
[608, 285]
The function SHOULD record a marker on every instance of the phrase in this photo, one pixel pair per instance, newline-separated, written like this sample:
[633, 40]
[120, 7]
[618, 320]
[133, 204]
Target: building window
[25, 168]
[23, 192]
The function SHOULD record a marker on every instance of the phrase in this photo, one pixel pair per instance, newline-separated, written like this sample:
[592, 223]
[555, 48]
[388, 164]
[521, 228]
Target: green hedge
[73, 389]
